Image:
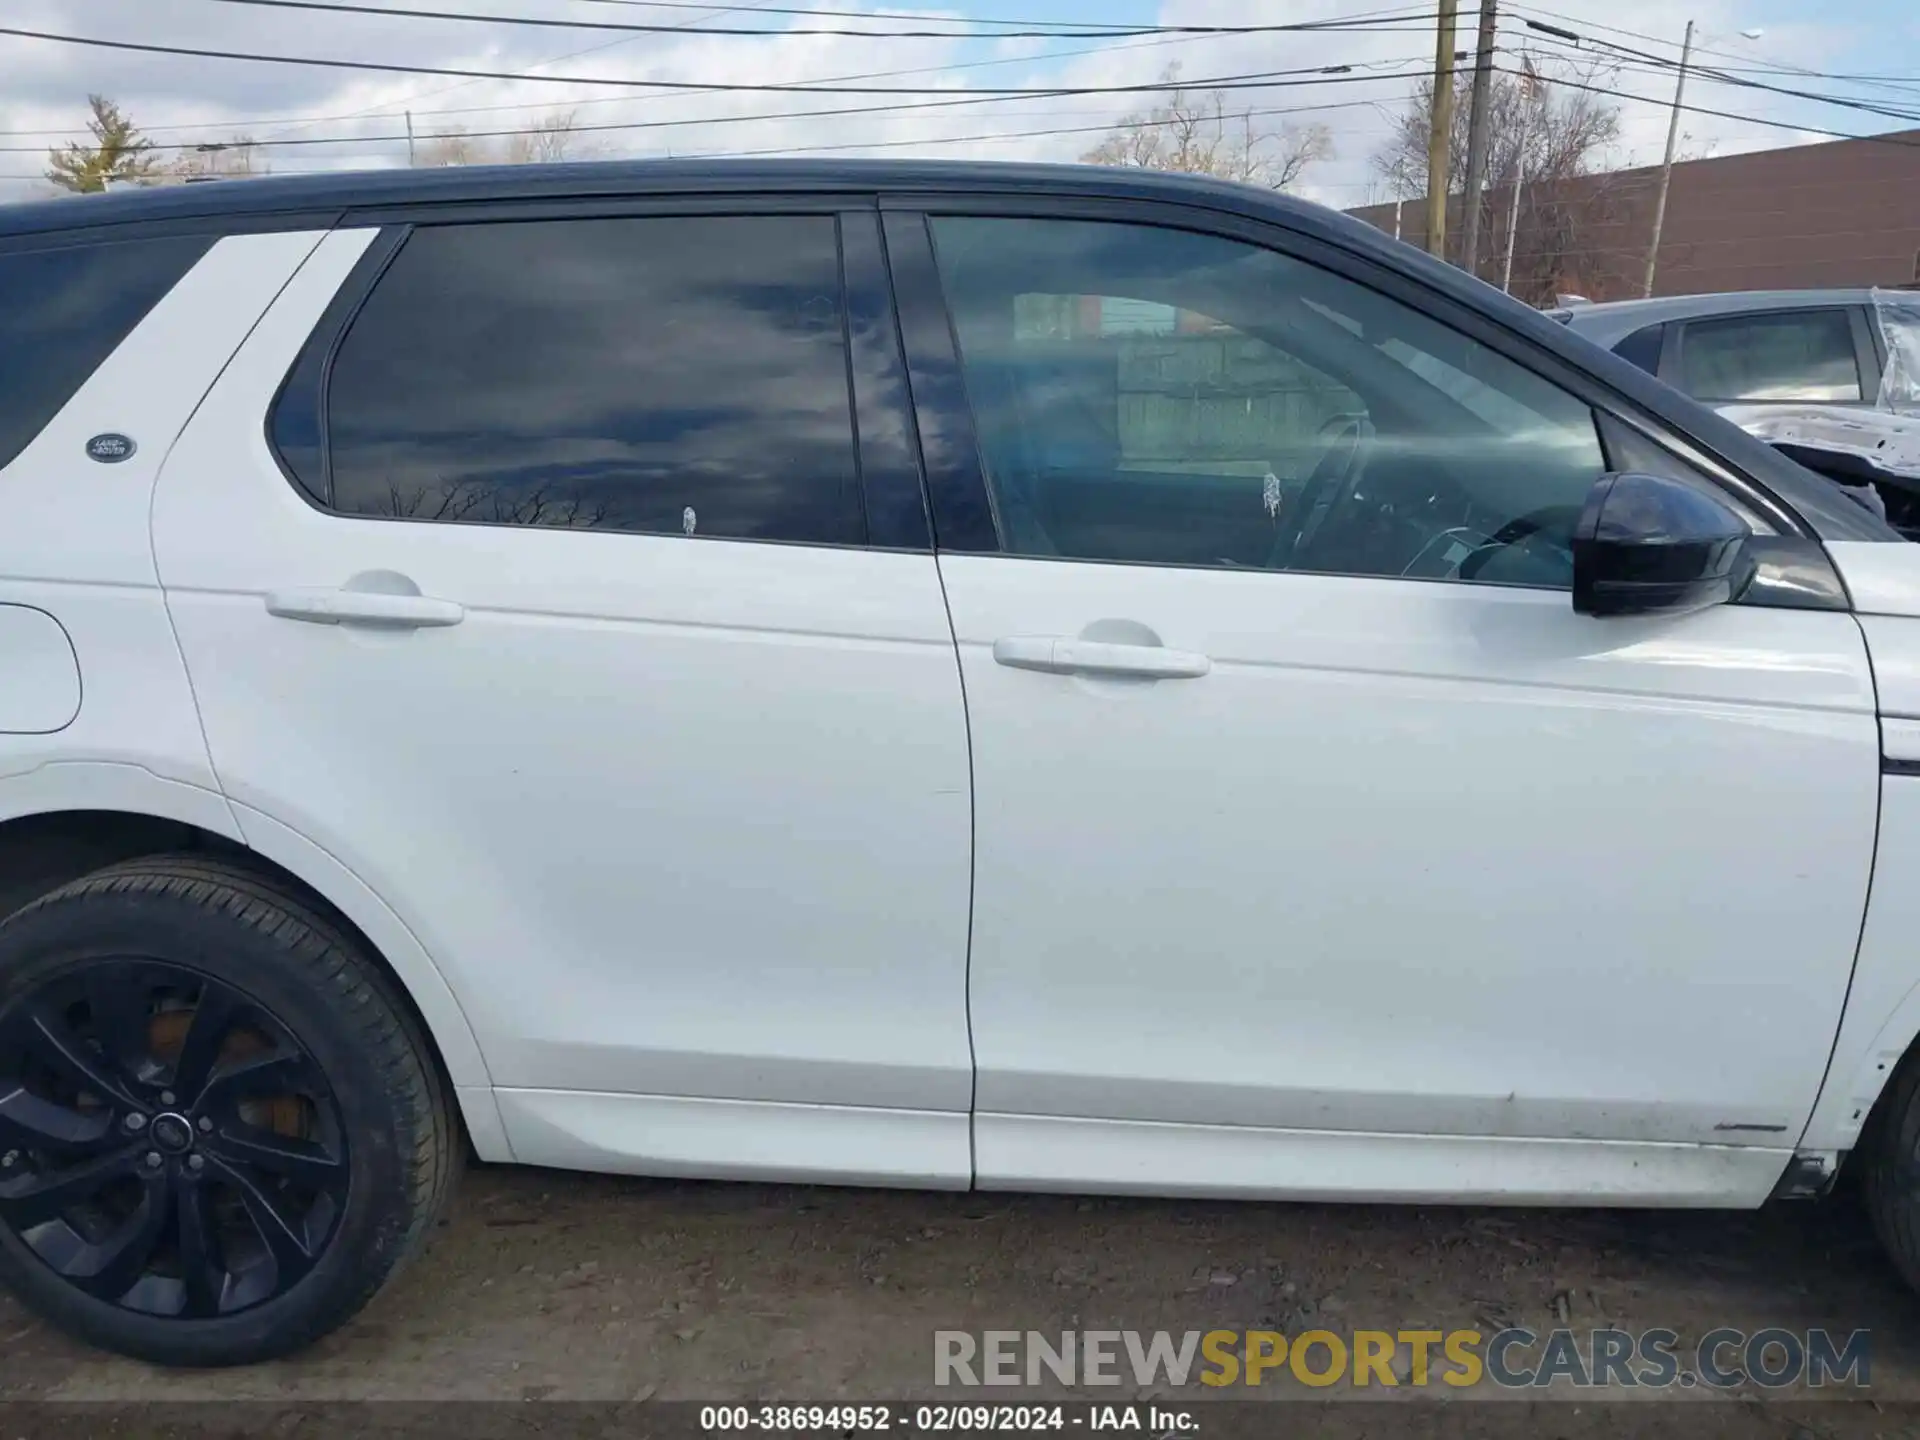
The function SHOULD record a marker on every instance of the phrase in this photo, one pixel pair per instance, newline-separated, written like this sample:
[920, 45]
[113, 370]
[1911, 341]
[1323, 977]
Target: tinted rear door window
[63, 311]
[1642, 347]
[1795, 355]
[683, 375]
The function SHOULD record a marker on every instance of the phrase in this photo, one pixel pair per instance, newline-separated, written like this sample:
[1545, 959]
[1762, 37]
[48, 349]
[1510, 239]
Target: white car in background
[1021, 678]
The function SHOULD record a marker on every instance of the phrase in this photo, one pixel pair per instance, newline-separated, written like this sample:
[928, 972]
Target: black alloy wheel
[166, 1144]
[222, 1126]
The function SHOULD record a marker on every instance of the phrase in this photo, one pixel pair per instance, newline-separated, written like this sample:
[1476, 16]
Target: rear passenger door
[576, 592]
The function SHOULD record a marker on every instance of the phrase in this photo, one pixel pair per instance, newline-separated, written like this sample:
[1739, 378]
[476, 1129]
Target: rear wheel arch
[43, 851]
[299, 1144]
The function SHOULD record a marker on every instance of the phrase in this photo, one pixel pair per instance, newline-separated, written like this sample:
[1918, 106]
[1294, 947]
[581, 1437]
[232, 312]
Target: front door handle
[327, 606]
[1067, 655]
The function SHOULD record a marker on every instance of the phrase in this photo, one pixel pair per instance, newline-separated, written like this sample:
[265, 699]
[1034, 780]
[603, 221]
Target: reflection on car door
[641, 709]
[1337, 856]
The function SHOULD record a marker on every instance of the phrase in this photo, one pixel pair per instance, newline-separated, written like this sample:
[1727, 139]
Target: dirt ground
[551, 1286]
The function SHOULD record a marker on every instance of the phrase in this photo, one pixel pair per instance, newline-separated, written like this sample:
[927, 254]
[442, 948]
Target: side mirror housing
[1648, 545]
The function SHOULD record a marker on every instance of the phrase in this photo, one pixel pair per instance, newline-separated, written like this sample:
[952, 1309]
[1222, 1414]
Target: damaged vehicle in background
[1831, 378]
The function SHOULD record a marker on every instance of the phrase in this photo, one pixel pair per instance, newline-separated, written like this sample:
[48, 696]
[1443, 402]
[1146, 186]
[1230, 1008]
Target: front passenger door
[1322, 849]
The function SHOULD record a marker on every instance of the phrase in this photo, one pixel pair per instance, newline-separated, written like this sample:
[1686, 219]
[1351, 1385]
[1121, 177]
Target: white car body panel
[738, 1139]
[674, 818]
[375, 918]
[1881, 579]
[136, 745]
[99, 581]
[1133, 1157]
[42, 693]
[1412, 859]
[1883, 1008]
[1418, 892]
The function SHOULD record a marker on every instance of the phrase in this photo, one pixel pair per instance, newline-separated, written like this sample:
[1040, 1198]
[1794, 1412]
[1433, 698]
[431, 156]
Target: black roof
[309, 196]
[320, 201]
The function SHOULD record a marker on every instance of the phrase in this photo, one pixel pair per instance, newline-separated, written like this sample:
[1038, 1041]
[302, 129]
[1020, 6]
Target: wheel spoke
[300, 1161]
[47, 1036]
[213, 1017]
[201, 1267]
[272, 1073]
[109, 1269]
[37, 1198]
[282, 1234]
[117, 996]
[100, 1065]
[28, 1122]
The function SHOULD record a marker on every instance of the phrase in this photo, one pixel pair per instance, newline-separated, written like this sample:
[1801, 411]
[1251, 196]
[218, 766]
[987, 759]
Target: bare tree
[224, 159]
[549, 141]
[487, 503]
[451, 147]
[1554, 141]
[1198, 135]
[119, 153]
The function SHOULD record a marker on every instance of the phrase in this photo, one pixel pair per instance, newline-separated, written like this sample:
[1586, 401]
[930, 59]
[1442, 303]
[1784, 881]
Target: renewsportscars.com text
[1512, 1358]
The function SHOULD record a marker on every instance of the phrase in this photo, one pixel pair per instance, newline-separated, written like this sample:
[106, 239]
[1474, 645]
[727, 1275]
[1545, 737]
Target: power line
[388, 110]
[336, 7]
[1888, 139]
[1008, 134]
[392, 108]
[1903, 83]
[1089, 29]
[837, 112]
[934, 140]
[1255, 81]
[406, 101]
[1565, 37]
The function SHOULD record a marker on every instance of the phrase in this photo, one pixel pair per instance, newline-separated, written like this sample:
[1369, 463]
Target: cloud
[178, 99]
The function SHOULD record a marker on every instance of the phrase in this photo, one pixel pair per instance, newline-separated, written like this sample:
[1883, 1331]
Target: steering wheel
[1553, 522]
[1333, 480]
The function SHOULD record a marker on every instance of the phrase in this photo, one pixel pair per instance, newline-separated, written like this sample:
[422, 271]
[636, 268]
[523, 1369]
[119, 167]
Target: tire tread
[382, 1026]
[1890, 1180]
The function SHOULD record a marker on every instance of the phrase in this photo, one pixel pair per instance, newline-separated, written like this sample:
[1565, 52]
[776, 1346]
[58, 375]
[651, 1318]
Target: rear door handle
[1066, 655]
[323, 606]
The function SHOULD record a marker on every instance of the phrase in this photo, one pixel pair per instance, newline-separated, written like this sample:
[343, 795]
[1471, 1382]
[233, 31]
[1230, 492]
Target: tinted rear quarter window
[64, 310]
[682, 375]
[1642, 347]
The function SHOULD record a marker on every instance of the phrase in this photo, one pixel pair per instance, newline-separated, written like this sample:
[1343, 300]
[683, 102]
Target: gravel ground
[547, 1286]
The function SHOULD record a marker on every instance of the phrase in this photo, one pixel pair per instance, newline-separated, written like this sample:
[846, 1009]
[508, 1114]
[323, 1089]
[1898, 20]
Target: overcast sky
[44, 85]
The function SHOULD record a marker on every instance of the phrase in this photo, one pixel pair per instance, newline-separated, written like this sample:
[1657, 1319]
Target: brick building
[1841, 213]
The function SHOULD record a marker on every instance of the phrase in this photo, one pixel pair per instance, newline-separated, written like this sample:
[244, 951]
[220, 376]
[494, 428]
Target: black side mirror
[1647, 545]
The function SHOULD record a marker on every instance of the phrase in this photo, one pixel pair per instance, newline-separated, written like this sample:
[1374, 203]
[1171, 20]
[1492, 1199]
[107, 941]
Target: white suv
[919, 675]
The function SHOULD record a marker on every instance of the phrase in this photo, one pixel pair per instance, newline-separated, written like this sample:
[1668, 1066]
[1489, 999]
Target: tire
[318, 1155]
[1890, 1178]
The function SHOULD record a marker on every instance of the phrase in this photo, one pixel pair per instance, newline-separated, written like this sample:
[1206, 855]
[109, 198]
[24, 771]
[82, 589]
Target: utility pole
[1477, 121]
[409, 139]
[1529, 97]
[1666, 169]
[1440, 134]
[1513, 214]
